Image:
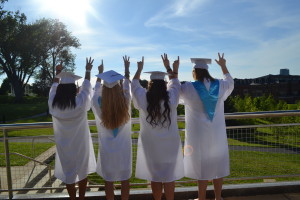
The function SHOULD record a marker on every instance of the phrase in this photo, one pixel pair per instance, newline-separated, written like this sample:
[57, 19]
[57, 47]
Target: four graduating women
[159, 155]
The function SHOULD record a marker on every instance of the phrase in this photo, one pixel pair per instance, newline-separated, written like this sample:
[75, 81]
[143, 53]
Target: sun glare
[74, 11]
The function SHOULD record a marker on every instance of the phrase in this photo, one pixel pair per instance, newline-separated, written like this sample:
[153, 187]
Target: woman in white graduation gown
[159, 155]
[111, 105]
[75, 157]
[206, 149]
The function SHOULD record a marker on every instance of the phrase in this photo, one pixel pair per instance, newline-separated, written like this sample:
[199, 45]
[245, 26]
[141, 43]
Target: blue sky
[258, 37]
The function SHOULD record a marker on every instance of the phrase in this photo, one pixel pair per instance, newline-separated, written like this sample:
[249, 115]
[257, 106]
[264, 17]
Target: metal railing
[267, 145]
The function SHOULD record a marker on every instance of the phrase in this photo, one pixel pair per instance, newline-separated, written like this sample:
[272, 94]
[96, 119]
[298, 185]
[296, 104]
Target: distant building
[282, 86]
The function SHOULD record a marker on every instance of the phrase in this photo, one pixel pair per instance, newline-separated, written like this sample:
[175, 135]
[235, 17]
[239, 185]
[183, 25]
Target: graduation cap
[201, 63]
[157, 75]
[111, 78]
[67, 77]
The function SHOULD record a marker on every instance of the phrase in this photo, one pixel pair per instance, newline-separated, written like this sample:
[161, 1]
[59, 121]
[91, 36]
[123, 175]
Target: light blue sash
[209, 98]
[114, 131]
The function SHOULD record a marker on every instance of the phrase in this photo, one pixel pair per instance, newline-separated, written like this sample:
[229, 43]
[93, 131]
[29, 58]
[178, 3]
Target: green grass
[17, 111]
[24, 148]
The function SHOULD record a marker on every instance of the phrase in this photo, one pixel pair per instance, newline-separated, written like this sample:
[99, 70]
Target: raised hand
[176, 65]
[221, 61]
[140, 64]
[126, 62]
[166, 61]
[101, 67]
[89, 63]
[59, 67]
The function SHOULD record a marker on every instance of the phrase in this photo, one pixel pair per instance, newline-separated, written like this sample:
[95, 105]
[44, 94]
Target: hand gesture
[89, 63]
[221, 61]
[59, 67]
[166, 61]
[176, 65]
[101, 67]
[126, 62]
[140, 64]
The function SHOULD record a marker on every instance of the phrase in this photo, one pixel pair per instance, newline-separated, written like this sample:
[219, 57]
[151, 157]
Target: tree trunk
[19, 91]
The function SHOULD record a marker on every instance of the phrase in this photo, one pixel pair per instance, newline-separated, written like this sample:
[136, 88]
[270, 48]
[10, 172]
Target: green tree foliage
[20, 50]
[28, 50]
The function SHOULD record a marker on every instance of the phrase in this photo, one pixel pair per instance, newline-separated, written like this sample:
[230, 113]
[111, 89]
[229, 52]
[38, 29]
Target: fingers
[89, 60]
[143, 59]
[102, 62]
[61, 62]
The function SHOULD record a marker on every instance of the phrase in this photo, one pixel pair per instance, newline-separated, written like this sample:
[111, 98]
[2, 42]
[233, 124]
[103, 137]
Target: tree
[5, 87]
[58, 42]
[25, 48]
[20, 50]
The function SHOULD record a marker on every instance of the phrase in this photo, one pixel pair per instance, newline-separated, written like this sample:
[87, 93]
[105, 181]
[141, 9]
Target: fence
[269, 152]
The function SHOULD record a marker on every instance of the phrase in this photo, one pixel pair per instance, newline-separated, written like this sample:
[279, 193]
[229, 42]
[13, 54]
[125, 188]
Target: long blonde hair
[114, 107]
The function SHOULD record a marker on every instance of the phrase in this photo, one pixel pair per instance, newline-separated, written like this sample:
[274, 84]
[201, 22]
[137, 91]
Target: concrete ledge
[185, 193]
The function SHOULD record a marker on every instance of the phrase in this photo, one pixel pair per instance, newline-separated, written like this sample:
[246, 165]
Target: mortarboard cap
[201, 63]
[111, 78]
[157, 75]
[67, 77]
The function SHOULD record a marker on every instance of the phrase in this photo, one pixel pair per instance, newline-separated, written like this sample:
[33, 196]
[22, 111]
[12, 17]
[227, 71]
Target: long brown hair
[157, 92]
[201, 74]
[114, 107]
[65, 96]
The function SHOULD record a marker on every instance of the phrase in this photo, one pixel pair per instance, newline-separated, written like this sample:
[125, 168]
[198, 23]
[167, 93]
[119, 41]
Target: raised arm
[100, 70]
[58, 69]
[222, 63]
[126, 66]
[175, 68]
[139, 70]
[167, 64]
[88, 67]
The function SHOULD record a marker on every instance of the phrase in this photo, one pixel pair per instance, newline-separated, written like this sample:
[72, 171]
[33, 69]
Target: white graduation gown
[75, 157]
[159, 154]
[115, 153]
[206, 154]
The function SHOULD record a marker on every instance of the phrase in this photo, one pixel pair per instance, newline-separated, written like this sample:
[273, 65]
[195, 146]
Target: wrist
[87, 70]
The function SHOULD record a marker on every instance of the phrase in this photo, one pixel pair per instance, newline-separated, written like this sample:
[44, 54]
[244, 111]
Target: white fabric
[115, 153]
[159, 155]
[75, 157]
[206, 154]
[67, 77]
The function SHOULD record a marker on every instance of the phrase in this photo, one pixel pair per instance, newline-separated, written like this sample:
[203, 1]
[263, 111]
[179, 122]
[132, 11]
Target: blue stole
[114, 131]
[209, 98]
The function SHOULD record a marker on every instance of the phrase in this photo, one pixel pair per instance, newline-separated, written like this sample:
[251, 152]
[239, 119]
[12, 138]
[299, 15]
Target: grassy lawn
[17, 111]
[24, 148]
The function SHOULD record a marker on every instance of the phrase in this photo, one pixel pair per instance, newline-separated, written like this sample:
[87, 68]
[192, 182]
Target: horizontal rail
[241, 115]
[148, 183]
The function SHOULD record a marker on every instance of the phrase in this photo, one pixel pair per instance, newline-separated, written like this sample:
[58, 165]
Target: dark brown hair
[65, 96]
[201, 74]
[157, 92]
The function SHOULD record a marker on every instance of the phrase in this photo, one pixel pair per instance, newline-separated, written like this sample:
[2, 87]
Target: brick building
[282, 86]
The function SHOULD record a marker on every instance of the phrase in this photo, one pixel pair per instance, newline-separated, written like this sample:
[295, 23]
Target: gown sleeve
[83, 98]
[139, 94]
[126, 89]
[173, 88]
[52, 94]
[226, 86]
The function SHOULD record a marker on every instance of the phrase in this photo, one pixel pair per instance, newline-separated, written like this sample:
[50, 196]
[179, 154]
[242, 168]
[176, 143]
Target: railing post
[8, 167]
